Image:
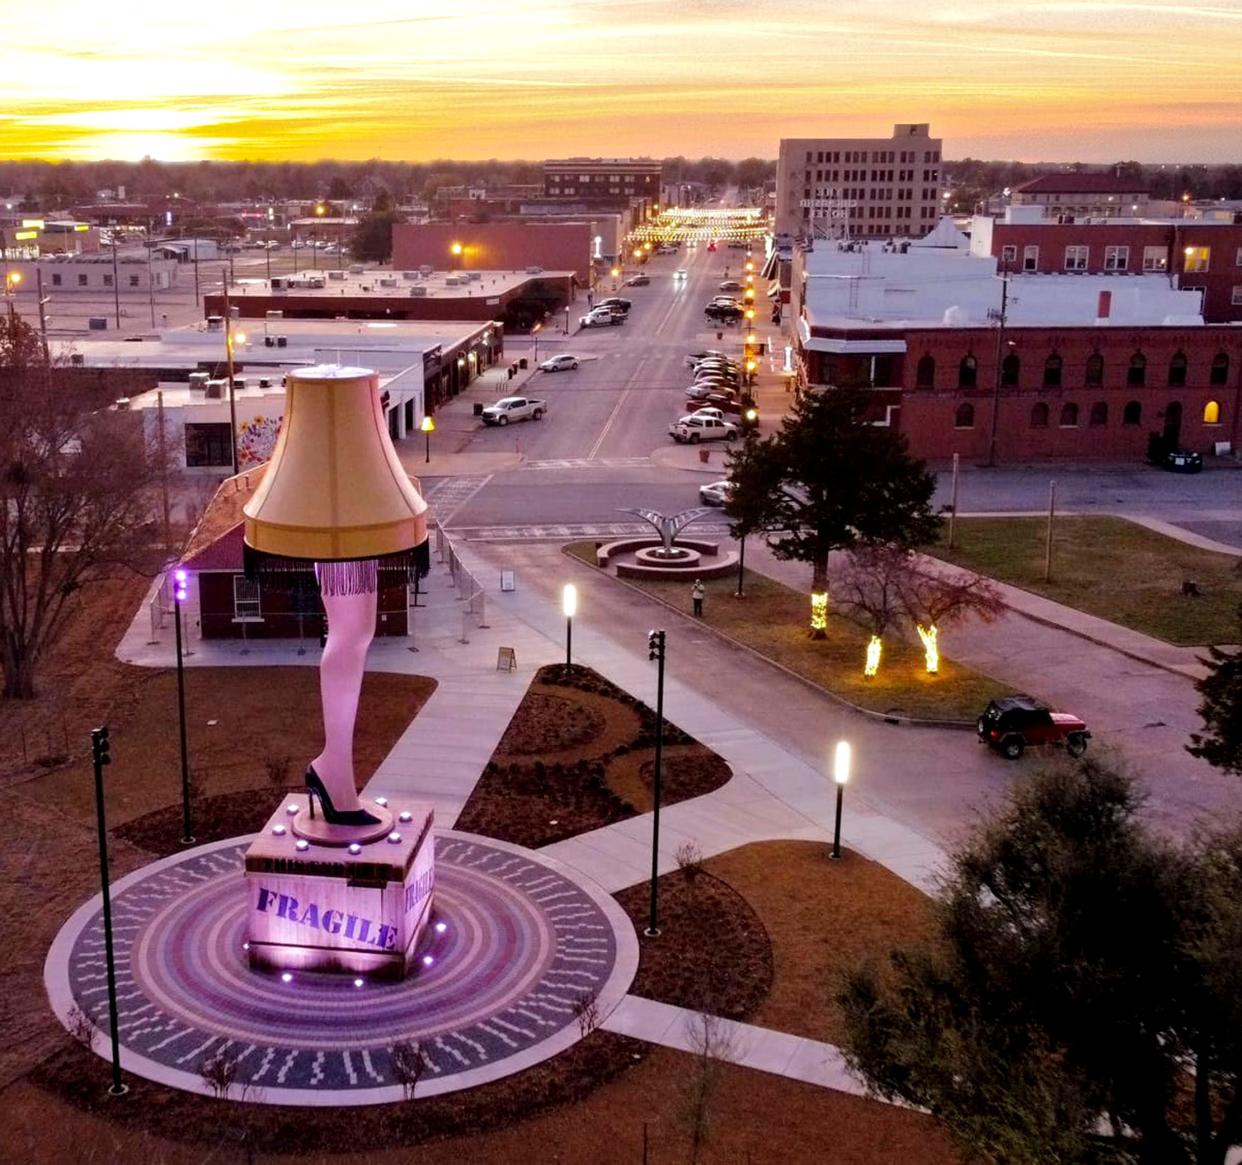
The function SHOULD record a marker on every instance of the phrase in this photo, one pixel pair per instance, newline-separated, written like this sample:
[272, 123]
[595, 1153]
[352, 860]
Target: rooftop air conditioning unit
[282, 341]
[198, 381]
[265, 382]
[336, 276]
[239, 384]
[410, 276]
[425, 269]
[388, 281]
[474, 276]
[451, 281]
[367, 287]
[215, 390]
[215, 323]
[356, 268]
[316, 281]
[279, 284]
[122, 403]
[534, 270]
[418, 292]
[275, 314]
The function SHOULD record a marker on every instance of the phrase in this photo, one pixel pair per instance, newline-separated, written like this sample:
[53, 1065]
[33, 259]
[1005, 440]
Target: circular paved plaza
[516, 939]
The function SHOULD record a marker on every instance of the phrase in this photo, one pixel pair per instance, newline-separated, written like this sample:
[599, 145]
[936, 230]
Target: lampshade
[334, 490]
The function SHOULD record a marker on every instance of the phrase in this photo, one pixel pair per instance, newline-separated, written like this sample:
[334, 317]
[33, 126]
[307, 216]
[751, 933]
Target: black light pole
[840, 775]
[187, 829]
[1000, 352]
[569, 605]
[100, 756]
[655, 650]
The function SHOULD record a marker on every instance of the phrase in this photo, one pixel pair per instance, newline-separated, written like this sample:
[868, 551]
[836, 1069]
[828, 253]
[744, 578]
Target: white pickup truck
[514, 408]
[693, 429]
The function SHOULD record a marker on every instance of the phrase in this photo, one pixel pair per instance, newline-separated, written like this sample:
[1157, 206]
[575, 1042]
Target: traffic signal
[100, 748]
[655, 644]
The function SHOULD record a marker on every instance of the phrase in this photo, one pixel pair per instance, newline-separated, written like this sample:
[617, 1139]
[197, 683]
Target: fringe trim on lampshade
[349, 577]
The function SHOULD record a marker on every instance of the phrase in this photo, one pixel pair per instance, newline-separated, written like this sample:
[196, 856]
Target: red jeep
[1013, 724]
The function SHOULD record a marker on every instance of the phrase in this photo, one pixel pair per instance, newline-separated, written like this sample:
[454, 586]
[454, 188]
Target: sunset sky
[1095, 80]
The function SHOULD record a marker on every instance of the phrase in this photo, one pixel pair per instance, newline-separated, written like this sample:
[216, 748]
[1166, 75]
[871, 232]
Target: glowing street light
[841, 776]
[428, 427]
[569, 606]
[180, 579]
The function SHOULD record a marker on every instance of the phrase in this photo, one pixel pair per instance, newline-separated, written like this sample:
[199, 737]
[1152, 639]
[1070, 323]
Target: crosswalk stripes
[580, 530]
[447, 495]
[589, 463]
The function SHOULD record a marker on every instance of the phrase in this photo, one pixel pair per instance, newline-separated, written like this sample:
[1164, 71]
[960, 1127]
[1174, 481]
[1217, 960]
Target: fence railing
[467, 586]
[160, 606]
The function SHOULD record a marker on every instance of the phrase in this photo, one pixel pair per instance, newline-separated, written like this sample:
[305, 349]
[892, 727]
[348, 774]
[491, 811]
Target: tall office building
[848, 188]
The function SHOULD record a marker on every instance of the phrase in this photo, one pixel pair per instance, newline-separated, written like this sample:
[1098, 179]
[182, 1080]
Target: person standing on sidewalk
[697, 593]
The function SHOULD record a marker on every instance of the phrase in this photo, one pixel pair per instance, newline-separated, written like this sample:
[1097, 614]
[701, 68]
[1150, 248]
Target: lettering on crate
[310, 915]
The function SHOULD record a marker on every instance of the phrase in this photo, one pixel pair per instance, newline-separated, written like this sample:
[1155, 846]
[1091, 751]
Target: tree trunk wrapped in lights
[819, 614]
[875, 648]
[931, 649]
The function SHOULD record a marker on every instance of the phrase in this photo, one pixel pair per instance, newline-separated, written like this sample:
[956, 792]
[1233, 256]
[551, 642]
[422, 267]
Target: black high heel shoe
[315, 788]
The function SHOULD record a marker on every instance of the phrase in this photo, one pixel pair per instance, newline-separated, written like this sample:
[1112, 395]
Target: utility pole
[1052, 511]
[116, 283]
[101, 755]
[163, 454]
[953, 505]
[196, 295]
[228, 350]
[1000, 349]
[43, 302]
[150, 275]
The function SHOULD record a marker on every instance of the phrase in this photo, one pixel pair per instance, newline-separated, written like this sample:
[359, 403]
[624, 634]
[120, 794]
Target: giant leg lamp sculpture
[336, 495]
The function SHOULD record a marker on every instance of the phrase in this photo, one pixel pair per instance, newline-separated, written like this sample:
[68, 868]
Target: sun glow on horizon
[1036, 79]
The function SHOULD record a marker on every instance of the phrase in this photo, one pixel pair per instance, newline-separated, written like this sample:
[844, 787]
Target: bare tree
[689, 859]
[218, 1073]
[408, 1065]
[76, 485]
[81, 1027]
[586, 1012]
[712, 1045]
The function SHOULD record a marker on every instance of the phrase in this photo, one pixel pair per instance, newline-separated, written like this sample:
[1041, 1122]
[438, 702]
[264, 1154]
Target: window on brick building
[1039, 415]
[81, 280]
[967, 372]
[1155, 259]
[1237, 259]
[925, 373]
[56, 279]
[208, 444]
[134, 280]
[1196, 260]
[1132, 414]
[246, 606]
[1099, 415]
[1116, 258]
[964, 418]
[1076, 258]
[1069, 416]
[1136, 374]
[1030, 258]
[1052, 371]
[1009, 254]
[1236, 297]
[1095, 370]
[1219, 373]
[1177, 370]
[1211, 413]
[1011, 367]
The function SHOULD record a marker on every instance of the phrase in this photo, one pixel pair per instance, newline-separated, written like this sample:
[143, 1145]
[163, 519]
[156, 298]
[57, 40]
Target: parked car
[706, 411]
[638, 281]
[559, 362]
[1013, 724]
[600, 317]
[703, 388]
[715, 493]
[723, 312]
[615, 301]
[730, 300]
[1183, 461]
[720, 399]
[715, 364]
[514, 408]
[680, 274]
[730, 285]
[693, 358]
[692, 430]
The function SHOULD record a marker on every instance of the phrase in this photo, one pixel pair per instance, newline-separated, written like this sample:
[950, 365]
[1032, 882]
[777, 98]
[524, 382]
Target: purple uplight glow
[357, 982]
[285, 977]
[428, 960]
[180, 578]
[441, 927]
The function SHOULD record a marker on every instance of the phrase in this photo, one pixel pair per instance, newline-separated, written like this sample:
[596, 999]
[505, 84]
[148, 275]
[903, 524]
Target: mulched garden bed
[577, 755]
[213, 818]
[713, 953]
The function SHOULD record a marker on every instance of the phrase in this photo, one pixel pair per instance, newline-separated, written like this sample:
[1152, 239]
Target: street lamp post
[655, 650]
[569, 606]
[179, 593]
[534, 332]
[1000, 353]
[100, 756]
[840, 775]
[228, 355]
[428, 427]
[11, 280]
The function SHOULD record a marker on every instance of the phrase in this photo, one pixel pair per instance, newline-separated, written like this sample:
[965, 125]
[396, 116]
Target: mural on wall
[256, 439]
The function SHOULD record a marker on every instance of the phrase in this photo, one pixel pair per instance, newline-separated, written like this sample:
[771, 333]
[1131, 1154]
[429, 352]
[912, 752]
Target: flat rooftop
[386, 343]
[384, 284]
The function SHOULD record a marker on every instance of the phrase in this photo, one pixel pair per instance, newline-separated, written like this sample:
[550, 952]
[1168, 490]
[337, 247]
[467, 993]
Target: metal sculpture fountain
[668, 526]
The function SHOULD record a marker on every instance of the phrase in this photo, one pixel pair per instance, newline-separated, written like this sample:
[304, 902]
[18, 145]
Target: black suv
[723, 311]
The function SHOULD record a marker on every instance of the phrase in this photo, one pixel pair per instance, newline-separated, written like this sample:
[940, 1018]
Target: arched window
[1136, 374]
[1177, 370]
[967, 372]
[925, 374]
[1099, 415]
[1132, 414]
[1211, 413]
[1052, 371]
[1069, 416]
[1010, 367]
[1095, 370]
[1039, 415]
[1219, 373]
[964, 418]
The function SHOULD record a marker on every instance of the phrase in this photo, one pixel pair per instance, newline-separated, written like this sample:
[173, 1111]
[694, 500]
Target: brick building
[496, 246]
[1201, 254]
[1100, 195]
[602, 178]
[1086, 367]
[859, 187]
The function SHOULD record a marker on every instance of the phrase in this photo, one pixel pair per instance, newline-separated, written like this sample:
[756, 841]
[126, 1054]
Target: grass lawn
[773, 620]
[1112, 568]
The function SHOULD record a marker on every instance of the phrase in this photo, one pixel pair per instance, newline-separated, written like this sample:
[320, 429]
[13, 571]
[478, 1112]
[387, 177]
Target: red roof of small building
[1082, 183]
[216, 543]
